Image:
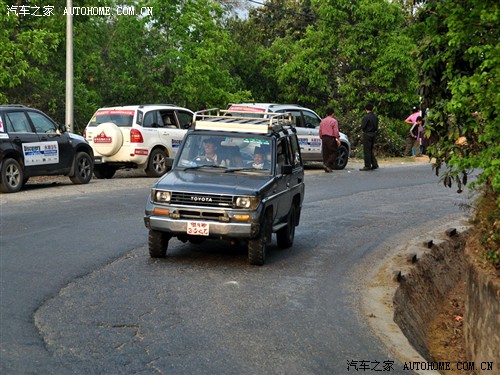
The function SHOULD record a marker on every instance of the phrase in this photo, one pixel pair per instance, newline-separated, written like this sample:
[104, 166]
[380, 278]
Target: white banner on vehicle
[37, 153]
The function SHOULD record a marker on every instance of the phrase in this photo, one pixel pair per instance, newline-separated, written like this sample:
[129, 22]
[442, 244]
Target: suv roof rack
[13, 105]
[217, 119]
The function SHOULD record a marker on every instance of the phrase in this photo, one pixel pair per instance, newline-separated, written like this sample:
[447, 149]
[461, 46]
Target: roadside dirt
[446, 340]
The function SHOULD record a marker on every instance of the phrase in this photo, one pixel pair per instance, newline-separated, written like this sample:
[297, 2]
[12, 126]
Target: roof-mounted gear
[227, 120]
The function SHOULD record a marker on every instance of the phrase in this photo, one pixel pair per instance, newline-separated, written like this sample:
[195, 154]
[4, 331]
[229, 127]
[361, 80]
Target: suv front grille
[208, 200]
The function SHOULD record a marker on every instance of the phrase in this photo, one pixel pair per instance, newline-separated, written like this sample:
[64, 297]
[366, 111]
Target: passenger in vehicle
[168, 121]
[259, 159]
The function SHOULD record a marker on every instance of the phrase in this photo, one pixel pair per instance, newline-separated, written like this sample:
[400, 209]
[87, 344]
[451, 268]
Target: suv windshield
[233, 153]
[120, 117]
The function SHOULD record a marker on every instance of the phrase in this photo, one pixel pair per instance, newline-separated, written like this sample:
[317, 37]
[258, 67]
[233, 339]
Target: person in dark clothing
[369, 126]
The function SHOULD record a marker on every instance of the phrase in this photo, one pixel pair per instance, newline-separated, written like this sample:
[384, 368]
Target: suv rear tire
[12, 176]
[157, 163]
[83, 169]
[342, 157]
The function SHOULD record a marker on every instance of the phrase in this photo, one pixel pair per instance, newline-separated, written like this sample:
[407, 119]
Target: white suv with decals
[306, 122]
[136, 136]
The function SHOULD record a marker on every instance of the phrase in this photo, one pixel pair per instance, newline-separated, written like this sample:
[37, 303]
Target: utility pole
[69, 66]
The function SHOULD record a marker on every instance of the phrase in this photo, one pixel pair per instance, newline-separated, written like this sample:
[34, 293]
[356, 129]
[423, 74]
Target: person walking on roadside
[411, 120]
[417, 134]
[369, 126]
[330, 140]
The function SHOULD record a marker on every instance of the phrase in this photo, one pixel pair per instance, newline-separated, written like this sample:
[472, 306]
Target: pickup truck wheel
[257, 247]
[342, 157]
[286, 235]
[12, 176]
[158, 243]
[83, 169]
[104, 171]
[157, 163]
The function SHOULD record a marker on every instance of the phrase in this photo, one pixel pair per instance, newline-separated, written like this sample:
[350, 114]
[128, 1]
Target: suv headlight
[160, 196]
[249, 203]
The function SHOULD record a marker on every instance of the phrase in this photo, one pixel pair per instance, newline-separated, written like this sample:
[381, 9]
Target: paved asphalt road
[80, 295]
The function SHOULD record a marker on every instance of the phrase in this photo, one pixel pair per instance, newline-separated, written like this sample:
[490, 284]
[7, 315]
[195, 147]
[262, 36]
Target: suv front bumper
[215, 228]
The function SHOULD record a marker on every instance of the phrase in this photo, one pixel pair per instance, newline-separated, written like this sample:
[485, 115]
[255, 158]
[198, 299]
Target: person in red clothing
[330, 140]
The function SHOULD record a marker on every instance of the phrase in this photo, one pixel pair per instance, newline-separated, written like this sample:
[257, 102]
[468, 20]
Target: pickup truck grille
[208, 200]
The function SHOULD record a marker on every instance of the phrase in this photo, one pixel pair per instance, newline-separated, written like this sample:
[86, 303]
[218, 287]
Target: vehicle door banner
[37, 153]
[176, 143]
[310, 141]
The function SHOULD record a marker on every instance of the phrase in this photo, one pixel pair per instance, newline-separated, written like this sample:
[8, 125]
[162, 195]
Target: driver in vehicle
[210, 157]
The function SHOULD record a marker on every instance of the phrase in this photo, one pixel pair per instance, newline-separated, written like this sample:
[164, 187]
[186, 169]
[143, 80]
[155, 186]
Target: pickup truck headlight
[161, 196]
[249, 203]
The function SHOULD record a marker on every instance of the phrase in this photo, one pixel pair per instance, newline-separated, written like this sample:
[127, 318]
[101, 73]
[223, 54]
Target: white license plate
[198, 229]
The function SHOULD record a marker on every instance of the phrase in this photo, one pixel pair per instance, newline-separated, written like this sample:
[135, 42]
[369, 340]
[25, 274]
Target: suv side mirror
[62, 129]
[286, 169]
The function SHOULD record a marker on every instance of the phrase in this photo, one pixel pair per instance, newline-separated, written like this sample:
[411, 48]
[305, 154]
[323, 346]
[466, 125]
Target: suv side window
[149, 119]
[185, 119]
[296, 159]
[311, 120]
[42, 124]
[296, 117]
[283, 153]
[17, 122]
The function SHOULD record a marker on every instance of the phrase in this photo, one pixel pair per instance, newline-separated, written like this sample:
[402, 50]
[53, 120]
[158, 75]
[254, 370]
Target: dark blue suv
[32, 144]
[235, 178]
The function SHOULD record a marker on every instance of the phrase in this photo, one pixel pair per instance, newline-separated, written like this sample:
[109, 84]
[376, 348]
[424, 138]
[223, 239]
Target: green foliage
[24, 53]
[192, 53]
[460, 68]
[487, 227]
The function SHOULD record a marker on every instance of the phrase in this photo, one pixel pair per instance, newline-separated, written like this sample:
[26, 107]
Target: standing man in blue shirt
[330, 140]
[369, 126]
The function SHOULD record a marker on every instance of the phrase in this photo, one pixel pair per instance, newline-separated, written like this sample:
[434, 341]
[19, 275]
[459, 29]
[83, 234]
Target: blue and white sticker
[38, 153]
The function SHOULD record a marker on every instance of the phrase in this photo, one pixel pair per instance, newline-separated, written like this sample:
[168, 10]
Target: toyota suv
[306, 121]
[32, 144]
[234, 178]
[143, 137]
